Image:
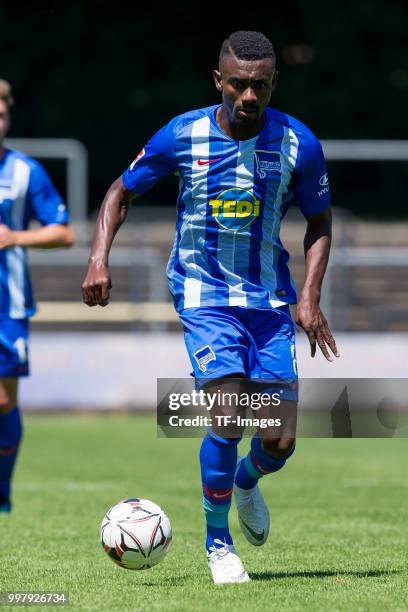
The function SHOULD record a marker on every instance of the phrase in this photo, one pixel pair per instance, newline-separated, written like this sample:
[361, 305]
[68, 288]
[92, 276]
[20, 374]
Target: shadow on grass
[178, 581]
[321, 574]
[173, 581]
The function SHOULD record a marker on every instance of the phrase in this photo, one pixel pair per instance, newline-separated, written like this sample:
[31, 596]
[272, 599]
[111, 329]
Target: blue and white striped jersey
[26, 193]
[232, 197]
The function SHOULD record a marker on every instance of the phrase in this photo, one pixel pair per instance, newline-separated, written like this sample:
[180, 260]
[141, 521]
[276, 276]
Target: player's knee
[280, 448]
[5, 406]
[224, 439]
[5, 402]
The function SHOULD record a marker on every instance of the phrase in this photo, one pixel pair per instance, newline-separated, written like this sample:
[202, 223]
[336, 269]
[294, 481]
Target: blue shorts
[254, 343]
[14, 348]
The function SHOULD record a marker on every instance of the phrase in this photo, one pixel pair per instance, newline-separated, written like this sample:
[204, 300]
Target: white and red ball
[136, 534]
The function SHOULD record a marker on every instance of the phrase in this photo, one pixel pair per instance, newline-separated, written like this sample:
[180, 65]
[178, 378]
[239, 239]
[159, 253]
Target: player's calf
[265, 457]
[218, 458]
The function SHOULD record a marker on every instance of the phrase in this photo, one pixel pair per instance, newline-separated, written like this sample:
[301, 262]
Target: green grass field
[339, 514]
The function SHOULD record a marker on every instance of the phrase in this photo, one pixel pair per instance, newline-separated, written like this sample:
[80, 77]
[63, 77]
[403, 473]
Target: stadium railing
[356, 292]
[74, 154]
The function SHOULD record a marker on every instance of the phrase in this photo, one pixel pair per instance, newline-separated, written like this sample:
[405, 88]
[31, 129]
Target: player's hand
[310, 318]
[97, 285]
[6, 237]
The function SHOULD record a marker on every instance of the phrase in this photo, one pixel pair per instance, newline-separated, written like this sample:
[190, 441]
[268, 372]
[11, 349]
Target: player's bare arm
[49, 237]
[309, 316]
[97, 283]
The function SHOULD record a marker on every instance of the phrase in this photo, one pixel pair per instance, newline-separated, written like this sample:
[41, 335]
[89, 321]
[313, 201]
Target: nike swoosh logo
[207, 162]
[257, 536]
[220, 496]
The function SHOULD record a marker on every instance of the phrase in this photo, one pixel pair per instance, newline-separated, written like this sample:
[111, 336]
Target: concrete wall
[110, 371]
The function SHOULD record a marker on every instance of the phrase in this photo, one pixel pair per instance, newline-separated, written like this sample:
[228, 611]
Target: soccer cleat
[225, 565]
[253, 513]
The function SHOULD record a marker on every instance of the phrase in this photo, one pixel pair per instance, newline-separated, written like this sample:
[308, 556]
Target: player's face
[4, 120]
[246, 88]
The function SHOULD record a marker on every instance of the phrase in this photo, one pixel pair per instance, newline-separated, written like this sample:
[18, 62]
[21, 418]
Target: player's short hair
[248, 45]
[5, 93]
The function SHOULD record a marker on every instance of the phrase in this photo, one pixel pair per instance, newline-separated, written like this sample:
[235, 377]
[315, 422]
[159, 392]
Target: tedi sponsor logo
[235, 209]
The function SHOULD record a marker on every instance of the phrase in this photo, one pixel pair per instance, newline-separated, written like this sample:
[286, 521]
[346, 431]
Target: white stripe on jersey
[244, 180]
[293, 155]
[200, 149]
[16, 256]
[21, 179]
[172, 258]
[16, 265]
[272, 216]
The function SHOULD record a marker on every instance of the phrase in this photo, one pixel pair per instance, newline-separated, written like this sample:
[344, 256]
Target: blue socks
[218, 458]
[10, 436]
[257, 464]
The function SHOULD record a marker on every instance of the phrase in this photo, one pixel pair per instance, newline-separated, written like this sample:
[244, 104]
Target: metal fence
[365, 289]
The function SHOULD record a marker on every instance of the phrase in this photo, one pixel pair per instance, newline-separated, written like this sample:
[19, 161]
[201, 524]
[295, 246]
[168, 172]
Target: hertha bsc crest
[204, 356]
[267, 161]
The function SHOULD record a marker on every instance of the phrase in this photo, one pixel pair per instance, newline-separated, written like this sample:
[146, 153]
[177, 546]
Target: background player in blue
[26, 193]
[240, 166]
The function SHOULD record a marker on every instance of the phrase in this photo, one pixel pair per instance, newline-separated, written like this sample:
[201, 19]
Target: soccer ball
[136, 534]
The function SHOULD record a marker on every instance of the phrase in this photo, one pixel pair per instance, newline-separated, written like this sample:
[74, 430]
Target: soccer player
[26, 193]
[241, 165]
